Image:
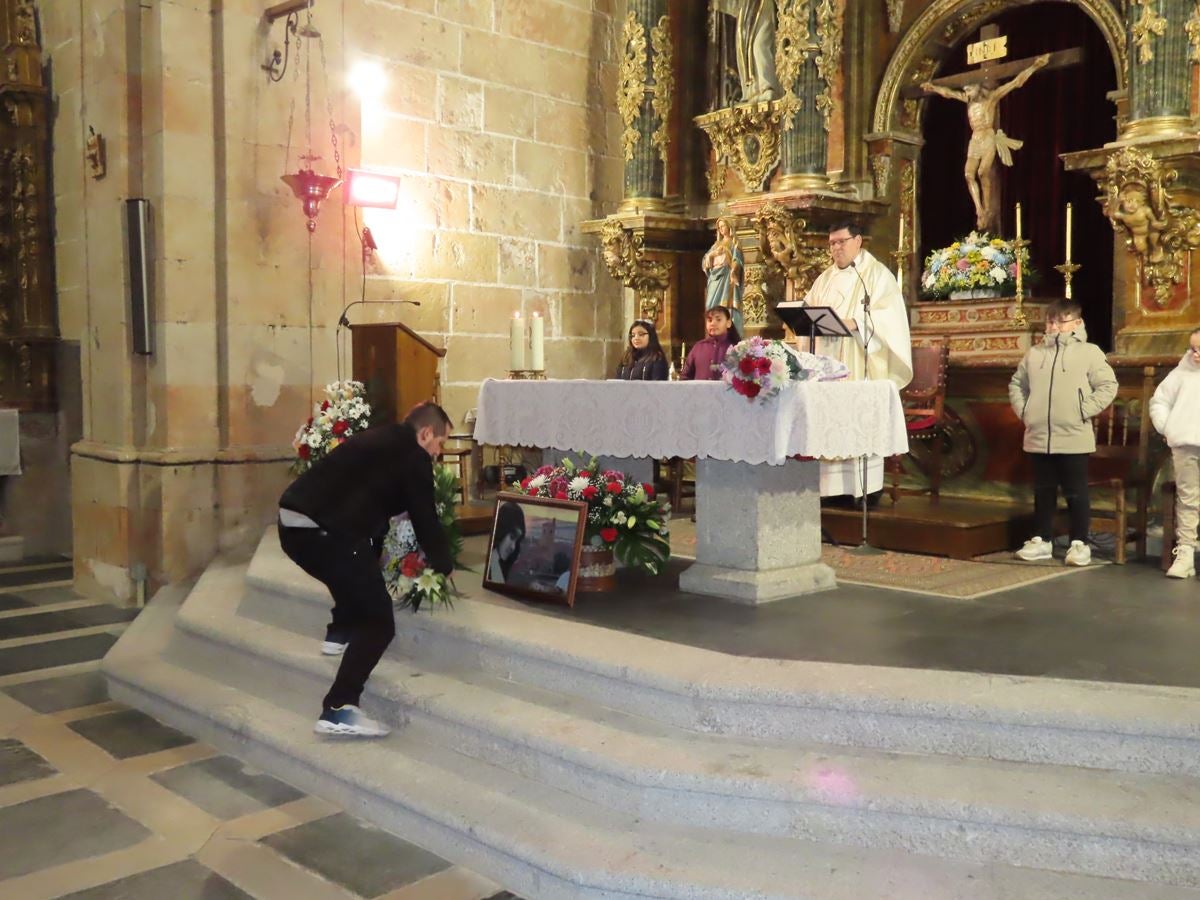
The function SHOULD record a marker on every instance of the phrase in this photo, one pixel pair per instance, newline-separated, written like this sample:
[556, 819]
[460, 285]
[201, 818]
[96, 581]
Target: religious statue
[756, 50]
[987, 141]
[725, 267]
[1144, 217]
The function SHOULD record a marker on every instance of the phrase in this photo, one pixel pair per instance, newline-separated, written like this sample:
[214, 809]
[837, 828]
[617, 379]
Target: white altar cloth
[704, 419]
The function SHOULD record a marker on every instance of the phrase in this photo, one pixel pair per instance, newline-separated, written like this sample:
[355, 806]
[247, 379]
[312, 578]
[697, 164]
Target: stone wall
[497, 115]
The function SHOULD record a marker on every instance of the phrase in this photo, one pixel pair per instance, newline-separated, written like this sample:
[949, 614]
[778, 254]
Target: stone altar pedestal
[773, 514]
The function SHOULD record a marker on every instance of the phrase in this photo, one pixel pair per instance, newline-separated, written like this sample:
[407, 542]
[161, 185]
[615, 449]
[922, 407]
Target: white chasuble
[889, 349]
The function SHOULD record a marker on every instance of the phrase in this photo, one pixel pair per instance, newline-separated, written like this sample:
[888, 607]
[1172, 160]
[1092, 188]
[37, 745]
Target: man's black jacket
[374, 475]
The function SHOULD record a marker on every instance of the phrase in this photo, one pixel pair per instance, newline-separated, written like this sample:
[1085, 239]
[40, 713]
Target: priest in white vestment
[845, 285]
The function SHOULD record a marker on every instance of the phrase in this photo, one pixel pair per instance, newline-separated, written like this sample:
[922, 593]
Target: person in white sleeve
[1175, 412]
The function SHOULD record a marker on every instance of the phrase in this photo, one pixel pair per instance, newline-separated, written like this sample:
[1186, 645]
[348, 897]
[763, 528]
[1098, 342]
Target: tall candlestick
[900, 239]
[1018, 223]
[516, 343]
[537, 345]
[1068, 232]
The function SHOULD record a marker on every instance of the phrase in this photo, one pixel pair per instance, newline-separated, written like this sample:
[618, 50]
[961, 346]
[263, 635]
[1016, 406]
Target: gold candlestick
[1067, 270]
[1018, 246]
[527, 375]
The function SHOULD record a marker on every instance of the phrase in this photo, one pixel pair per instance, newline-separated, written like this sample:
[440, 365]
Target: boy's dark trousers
[1070, 472]
[362, 606]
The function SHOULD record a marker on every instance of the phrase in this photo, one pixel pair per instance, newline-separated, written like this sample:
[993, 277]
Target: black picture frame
[548, 548]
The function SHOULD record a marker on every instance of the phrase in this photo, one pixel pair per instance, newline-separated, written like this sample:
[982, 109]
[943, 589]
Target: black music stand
[815, 321]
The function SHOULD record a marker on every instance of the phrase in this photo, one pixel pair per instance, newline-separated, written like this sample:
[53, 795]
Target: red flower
[341, 426]
[746, 366]
[560, 495]
[532, 492]
[613, 487]
[412, 565]
[525, 483]
[324, 405]
[585, 474]
[763, 365]
[649, 489]
[752, 389]
[608, 535]
[305, 451]
[309, 422]
[739, 385]
[589, 492]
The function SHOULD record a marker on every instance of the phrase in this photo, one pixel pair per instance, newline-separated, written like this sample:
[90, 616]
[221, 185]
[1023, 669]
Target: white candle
[537, 343]
[1068, 232]
[1018, 221]
[900, 239]
[516, 343]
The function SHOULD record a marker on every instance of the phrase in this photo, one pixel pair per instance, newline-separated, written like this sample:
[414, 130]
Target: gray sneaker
[349, 721]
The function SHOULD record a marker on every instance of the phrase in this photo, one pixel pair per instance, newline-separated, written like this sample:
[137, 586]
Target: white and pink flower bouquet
[406, 573]
[343, 412]
[758, 368]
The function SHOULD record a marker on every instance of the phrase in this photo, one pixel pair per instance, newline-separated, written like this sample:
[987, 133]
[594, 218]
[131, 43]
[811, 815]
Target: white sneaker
[333, 648]
[1185, 563]
[1080, 554]
[350, 721]
[1035, 548]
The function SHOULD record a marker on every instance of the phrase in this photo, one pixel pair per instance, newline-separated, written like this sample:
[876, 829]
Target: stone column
[645, 91]
[1159, 65]
[805, 138]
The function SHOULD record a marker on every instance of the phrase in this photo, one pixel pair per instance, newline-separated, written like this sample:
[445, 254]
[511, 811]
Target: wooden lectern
[398, 367]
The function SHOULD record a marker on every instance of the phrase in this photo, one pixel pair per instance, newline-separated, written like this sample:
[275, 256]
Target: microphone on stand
[865, 547]
[344, 322]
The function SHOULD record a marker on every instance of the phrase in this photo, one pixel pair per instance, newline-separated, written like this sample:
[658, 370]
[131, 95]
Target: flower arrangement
[407, 575]
[343, 412]
[975, 261]
[622, 514]
[759, 368]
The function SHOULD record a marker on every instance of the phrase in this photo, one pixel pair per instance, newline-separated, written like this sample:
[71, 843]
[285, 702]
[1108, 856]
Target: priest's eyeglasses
[834, 244]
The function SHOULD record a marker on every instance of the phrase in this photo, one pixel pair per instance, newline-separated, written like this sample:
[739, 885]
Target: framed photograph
[534, 547]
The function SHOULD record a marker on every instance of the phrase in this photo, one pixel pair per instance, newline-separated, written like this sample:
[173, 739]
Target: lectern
[398, 367]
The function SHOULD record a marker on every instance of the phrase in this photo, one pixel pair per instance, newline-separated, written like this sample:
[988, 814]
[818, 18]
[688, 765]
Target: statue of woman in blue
[725, 268]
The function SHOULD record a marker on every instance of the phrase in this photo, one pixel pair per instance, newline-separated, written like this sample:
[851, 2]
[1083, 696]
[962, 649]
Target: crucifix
[981, 90]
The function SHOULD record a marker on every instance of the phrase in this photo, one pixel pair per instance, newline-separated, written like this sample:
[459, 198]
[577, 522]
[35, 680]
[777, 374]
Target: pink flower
[963, 264]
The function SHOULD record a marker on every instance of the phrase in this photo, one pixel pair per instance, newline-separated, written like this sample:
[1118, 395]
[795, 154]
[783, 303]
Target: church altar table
[758, 518]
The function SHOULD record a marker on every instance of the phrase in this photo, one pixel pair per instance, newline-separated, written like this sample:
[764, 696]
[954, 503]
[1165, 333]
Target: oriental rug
[935, 576]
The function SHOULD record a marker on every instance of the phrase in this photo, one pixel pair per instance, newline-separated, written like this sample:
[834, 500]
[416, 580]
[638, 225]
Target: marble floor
[101, 802]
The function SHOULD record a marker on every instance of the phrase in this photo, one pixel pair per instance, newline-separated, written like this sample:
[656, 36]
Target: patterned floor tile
[129, 733]
[47, 654]
[56, 694]
[19, 763]
[222, 787]
[187, 880]
[362, 859]
[62, 828]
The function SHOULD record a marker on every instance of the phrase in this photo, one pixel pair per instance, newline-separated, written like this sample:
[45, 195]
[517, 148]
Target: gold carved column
[28, 319]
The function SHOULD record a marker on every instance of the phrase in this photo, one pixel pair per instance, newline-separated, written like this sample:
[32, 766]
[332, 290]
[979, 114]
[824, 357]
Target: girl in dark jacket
[644, 359]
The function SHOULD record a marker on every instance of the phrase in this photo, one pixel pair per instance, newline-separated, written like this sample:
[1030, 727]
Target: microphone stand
[344, 322]
[866, 330]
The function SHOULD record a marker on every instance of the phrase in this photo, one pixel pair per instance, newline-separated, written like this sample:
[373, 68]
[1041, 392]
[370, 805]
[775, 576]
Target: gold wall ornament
[1192, 27]
[895, 13]
[631, 82]
[881, 171]
[793, 45]
[26, 22]
[786, 250]
[745, 139]
[95, 153]
[624, 256]
[754, 297]
[1148, 26]
[829, 60]
[1159, 233]
[945, 21]
[664, 83]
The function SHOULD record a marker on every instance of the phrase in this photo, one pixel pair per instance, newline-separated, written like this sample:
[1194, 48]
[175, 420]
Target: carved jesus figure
[987, 141]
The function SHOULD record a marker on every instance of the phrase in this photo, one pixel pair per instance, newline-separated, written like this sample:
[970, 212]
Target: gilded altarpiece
[28, 326]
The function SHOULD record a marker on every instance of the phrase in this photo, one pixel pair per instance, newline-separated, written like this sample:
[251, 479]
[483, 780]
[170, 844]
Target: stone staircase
[564, 760]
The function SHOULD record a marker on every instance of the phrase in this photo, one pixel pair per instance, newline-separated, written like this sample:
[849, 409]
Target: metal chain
[308, 98]
[337, 157]
[287, 153]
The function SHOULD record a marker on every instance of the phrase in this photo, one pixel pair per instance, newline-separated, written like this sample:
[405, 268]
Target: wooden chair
[924, 402]
[669, 477]
[458, 456]
[1123, 445]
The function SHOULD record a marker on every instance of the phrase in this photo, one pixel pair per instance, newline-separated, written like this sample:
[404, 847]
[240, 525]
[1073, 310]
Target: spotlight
[373, 189]
[367, 80]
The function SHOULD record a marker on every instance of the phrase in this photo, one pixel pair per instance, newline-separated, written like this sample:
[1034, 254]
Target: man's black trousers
[1070, 472]
[362, 606]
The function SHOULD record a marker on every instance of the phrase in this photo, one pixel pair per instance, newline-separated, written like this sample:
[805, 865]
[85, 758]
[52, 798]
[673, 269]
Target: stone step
[539, 841]
[1122, 727]
[1113, 824]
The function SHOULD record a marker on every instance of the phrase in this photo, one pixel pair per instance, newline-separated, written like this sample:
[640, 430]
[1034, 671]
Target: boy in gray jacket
[1060, 386]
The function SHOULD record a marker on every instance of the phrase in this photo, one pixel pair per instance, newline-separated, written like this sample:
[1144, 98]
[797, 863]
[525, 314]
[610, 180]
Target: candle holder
[900, 258]
[527, 375]
[1018, 245]
[1067, 270]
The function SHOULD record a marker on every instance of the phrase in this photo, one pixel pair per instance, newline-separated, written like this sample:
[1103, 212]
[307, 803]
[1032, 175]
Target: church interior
[844, 664]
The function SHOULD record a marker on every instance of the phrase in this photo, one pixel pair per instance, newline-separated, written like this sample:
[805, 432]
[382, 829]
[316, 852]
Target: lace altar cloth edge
[824, 419]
